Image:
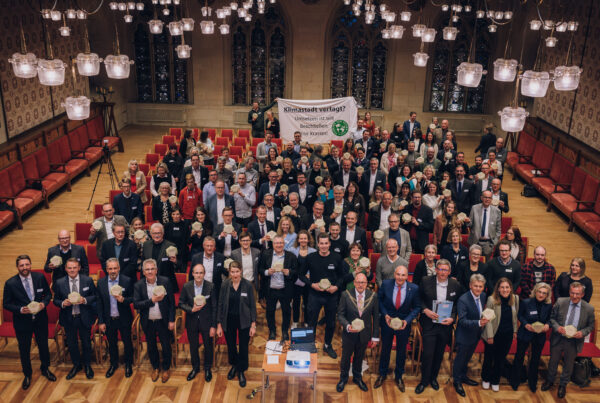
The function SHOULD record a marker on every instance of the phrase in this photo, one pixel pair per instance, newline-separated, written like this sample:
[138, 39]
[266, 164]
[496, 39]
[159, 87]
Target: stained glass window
[258, 52]
[445, 94]
[358, 60]
[143, 64]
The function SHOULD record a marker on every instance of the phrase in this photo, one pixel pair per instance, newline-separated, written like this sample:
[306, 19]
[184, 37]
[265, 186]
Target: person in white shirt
[358, 133]
[244, 200]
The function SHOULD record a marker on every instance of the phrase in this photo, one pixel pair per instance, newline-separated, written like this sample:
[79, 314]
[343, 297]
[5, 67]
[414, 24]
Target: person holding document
[439, 295]
[499, 333]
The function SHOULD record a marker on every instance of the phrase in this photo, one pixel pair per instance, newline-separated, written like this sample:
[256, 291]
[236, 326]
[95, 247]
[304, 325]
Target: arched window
[445, 94]
[358, 60]
[161, 76]
[258, 58]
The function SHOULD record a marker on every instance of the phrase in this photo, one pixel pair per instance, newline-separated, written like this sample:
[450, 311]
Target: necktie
[478, 303]
[262, 230]
[74, 288]
[459, 188]
[361, 304]
[571, 317]
[483, 224]
[399, 298]
[28, 289]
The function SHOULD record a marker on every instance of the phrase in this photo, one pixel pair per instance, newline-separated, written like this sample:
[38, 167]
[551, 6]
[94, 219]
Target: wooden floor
[41, 228]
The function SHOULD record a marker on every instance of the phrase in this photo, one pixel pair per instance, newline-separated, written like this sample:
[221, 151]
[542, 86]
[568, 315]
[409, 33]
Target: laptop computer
[303, 339]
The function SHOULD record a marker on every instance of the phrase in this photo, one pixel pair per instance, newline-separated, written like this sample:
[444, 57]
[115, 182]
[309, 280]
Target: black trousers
[318, 300]
[351, 345]
[243, 221]
[75, 332]
[237, 358]
[435, 341]
[300, 294]
[494, 356]
[152, 330]
[387, 340]
[193, 333]
[113, 328]
[40, 330]
[273, 296]
[464, 352]
[537, 344]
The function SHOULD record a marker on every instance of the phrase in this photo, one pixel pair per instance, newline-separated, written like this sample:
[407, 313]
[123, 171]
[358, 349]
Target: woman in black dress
[356, 201]
[196, 238]
[454, 251]
[473, 265]
[177, 231]
[576, 273]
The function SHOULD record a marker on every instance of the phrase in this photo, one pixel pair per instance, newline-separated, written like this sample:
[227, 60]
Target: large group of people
[296, 229]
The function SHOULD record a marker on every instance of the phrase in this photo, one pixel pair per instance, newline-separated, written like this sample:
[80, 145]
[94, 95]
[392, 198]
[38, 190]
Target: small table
[279, 369]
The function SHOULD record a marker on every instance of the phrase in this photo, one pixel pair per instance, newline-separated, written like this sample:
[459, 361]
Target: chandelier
[77, 107]
[24, 64]
[117, 65]
[469, 74]
[88, 64]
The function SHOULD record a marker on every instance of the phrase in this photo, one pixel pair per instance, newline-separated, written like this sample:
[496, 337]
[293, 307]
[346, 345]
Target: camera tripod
[112, 172]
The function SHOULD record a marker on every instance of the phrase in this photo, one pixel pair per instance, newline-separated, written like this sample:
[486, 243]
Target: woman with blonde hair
[499, 332]
[286, 230]
[389, 158]
[303, 246]
[137, 178]
[162, 175]
[576, 273]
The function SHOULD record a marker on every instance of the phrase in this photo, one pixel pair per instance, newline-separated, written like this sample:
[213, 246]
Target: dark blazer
[391, 179]
[15, 297]
[254, 231]
[330, 204]
[143, 302]
[406, 128]
[277, 216]
[338, 177]
[207, 316]
[308, 220]
[479, 190]
[100, 236]
[428, 294]
[166, 268]
[369, 147]
[332, 165]
[289, 262]
[504, 198]
[77, 251]
[247, 306]
[264, 189]
[188, 170]
[237, 256]
[408, 311]
[528, 314]
[365, 182]
[218, 268]
[87, 290]
[125, 316]
[134, 209]
[468, 331]
[374, 218]
[300, 212]
[464, 200]
[348, 311]
[448, 253]
[360, 236]
[127, 258]
[220, 242]
[211, 206]
[425, 220]
[311, 195]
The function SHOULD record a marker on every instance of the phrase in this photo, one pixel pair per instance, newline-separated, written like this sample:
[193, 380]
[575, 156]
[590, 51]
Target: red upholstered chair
[25, 198]
[145, 168]
[47, 276]
[256, 141]
[236, 150]
[222, 141]
[505, 224]
[279, 143]
[244, 133]
[338, 143]
[374, 258]
[60, 158]
[82, 232]
[412, 262]
[152, 160]
[97, 134]
[253, 149]
[560, 172]
[148, 214]
[161, 149]
[195, 134]
[97, 210]
[7, 330]
[590, 349]
[565, 195]
[112, 193]
[93, 261]
[34, 173]
[212, 133]
[181, 280]
[588, 199]
[92, 153]
[175, 132]
[227, 133]
[523, 152]
[540, 163]
[47, 173]
[217, 151]
[240, 142]
[168, 139]
[588, 218]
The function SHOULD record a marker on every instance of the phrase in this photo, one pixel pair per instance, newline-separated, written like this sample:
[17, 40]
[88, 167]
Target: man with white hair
[339, 202]
[156, 248]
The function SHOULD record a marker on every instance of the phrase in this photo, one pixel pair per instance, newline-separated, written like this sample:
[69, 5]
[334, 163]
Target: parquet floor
[40, 232]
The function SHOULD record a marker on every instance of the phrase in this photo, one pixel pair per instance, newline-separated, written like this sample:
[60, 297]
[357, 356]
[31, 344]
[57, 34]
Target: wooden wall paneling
[31, 144]
[9, 155]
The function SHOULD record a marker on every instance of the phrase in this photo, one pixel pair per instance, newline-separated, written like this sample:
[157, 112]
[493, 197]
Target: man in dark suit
[218, 201]
[114, 314]
[156, 248]
[273, 213]
[128, 204]
[272, 186]
[397, 299]
[200, 319]
[572, 311]
[333, 160]
[384, 209]
[370, 179]
[108, 219]
[308, 221]
[352, 232]
[77, 317]
[248, 257]
[259, 228]
[361, 303]
[65, 250]
[421, 223]
[213, 263]
[481, 185]
[338, 200]
[393, 174]
[157, 316]
[199, 172]
[19, 291]
[345, 175]
[122, 248]
[307, 194]
[226, 242]
[468, 330]
[462, 190]
[410, 125]
[367, 144]
[436, 336]
[290, 153]
[298, 210]
[499, 195]
[278, 270]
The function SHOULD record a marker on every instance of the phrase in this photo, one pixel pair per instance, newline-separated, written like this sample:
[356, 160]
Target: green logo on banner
[339, 128]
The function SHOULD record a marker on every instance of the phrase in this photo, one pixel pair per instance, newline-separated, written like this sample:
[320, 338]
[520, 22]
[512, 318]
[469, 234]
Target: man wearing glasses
[65, 250]
[485, 221]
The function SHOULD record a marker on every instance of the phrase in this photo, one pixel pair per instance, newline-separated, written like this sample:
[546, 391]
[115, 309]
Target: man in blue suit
[128, 204]
[77, 318]
[397, 299]
[217, 202]
[409, 126]
[272, 186]
[468, 330]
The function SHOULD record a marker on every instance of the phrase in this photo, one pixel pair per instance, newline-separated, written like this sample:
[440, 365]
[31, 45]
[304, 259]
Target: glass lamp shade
[445, 7]
[117, 66]
[508, 15]
[71, 14]
[207, 27]
[405, 16]
[188, 24]
[242, 12]
[513, 119]
[233, 5]
[551, 41]
[449, 33]
[224, 29]
[498, 15]
[505, 70]
[131, 5]
[51, 71]
[428, 35]
[64, 31]
[420, 59]
[479, 14]
[535, 83]
[154, 1]
[139, 6]
[78, 108]
[81, 14]
[458, 8]
[122, 6]
[221, 13]
[397, 31]
[572, 25]
[490, 13]
[88, 64]
[369, 17]
[46, 13]
[386, 33]
[227, 10]
[248, 17]
[128, 18]
[469, 74]
[206, 11]
[548, 25]
[535, 25]
[566, 78]
[467, 8]
[55, 15]
[562, 27]
[418, 29]
[176, 2]
[183, 51]
[492, 28]
[24, 65]
[176, 28]
[390, 16]
[166, 11]
[455, 18]
[156, 26]
[113, 5]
